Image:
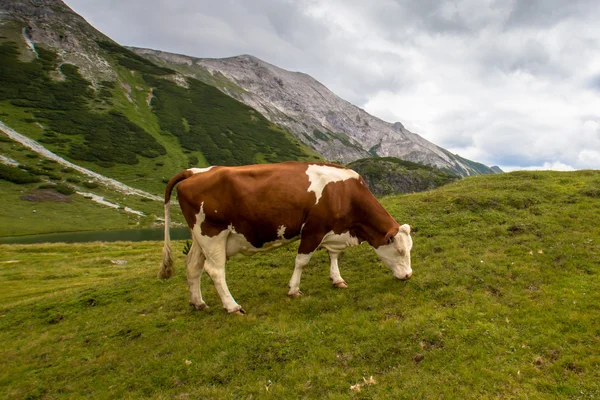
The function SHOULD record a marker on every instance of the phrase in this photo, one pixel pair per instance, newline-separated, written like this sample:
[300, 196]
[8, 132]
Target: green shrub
[90, 184]
[16, 175]
[42, 172]
[218, 126]
[64, 189]
[192, 161]
[73, 180]
[130, 60]
[106, 164]
[60, 188]
[47, 186]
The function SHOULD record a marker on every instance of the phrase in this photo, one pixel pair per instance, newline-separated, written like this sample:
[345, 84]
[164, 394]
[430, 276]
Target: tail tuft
[166, 268]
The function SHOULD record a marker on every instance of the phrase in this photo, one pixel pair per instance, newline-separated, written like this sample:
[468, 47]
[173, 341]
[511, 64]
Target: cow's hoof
[199, 307]
[340, 285]
[238, 312]
[295, 294]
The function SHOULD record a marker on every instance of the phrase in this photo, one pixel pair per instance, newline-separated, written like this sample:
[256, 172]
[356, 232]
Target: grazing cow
[256, 208]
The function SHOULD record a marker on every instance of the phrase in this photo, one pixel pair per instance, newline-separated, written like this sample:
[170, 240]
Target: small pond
[127, 235]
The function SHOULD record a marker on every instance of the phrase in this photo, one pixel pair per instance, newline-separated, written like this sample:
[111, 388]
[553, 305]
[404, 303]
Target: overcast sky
[508, 83]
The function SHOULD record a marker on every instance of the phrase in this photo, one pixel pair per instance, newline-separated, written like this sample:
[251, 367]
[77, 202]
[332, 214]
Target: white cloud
[548, 166]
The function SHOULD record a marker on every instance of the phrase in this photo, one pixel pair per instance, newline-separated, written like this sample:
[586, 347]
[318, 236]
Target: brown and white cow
[256, 208]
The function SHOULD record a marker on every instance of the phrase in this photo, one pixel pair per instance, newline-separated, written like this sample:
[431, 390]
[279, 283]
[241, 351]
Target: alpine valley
[89, 127]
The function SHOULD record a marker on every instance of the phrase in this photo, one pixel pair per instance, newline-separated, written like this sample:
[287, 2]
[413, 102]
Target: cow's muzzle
[405, 277]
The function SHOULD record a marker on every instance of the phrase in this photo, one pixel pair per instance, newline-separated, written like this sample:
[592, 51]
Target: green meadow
[504, 302]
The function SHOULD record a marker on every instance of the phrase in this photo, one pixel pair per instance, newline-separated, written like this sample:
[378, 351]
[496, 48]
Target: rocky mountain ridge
[53, 24]
[332, 126]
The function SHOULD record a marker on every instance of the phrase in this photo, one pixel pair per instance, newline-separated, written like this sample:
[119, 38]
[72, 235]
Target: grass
[504, 303]
[21, 217]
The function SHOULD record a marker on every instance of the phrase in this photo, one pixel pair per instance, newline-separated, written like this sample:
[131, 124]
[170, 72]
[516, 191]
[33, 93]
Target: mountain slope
[322, 120]
[97, 104]
[388, 175]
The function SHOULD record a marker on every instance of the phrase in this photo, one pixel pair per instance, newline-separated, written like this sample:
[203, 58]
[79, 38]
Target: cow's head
[395, 253]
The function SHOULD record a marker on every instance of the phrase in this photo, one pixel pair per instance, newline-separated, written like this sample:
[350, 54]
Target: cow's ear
[406, 228]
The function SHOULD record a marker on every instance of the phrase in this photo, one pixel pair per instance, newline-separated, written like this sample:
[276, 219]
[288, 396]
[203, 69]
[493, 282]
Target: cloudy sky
[514, 83]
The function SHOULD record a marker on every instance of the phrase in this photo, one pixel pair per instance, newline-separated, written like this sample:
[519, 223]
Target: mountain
[90, 131]
[84, 97]
[332, 126]
[389, 175]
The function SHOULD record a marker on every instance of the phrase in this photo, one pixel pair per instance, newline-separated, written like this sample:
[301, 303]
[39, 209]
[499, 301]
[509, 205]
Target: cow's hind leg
[334, 271]
[214, 249]
[194, 263]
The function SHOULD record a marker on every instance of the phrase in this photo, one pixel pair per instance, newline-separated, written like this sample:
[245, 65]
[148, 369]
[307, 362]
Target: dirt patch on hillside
[42, 195]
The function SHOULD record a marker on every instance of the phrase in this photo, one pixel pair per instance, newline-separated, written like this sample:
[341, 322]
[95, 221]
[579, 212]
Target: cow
[256, 208]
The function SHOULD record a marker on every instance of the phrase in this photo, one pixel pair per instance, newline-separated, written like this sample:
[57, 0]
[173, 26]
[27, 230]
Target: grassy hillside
[41, 196]
[141, 128]
[504, 303]
[389, 175]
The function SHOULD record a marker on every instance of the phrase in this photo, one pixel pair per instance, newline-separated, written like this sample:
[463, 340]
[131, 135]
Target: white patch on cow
[200, 217]
[214, 250]
[301, 261]
[281, 231]
[200, 170]
[320, 175]
[396, 255]
[336, 243]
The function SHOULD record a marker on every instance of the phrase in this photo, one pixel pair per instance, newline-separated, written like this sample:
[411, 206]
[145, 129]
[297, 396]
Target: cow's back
[255, 200]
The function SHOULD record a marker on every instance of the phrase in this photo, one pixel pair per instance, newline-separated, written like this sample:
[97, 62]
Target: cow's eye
[390, 240]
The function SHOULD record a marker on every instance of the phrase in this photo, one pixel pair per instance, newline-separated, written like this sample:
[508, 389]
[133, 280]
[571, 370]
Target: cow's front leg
[334, 271]
[301, 261]
[194, 263]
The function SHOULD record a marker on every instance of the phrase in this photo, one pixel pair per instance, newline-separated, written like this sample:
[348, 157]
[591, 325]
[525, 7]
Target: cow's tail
[166, 268]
